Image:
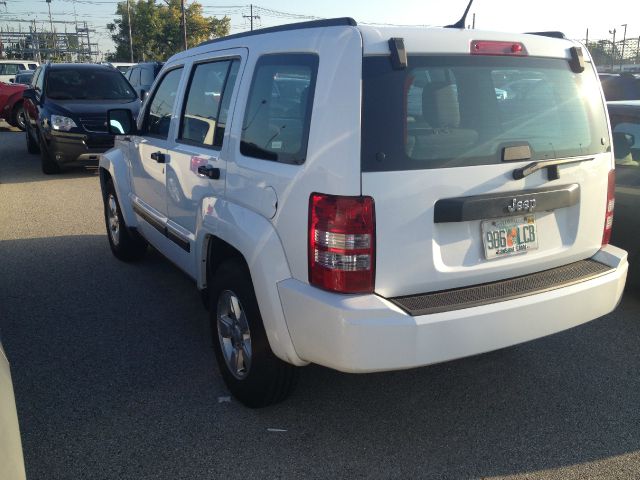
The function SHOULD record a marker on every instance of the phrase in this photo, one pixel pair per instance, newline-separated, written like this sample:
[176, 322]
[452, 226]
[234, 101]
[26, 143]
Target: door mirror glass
[120, 122]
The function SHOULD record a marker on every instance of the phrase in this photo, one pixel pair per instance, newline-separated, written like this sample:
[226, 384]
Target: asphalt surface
[115, 377]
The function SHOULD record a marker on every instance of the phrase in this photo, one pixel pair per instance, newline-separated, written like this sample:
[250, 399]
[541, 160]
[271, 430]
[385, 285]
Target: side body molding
[256, 239]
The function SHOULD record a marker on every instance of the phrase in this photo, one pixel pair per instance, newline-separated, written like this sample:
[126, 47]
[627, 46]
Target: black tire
[32, 145]
[49, 165]
[267, 379]
[126, 244]
[18, 118]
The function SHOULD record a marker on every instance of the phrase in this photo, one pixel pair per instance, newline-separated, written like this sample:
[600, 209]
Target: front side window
[278, 113]
[158, 118]
[88, 84]
[626, 139]
[465, 110]
[201, 109]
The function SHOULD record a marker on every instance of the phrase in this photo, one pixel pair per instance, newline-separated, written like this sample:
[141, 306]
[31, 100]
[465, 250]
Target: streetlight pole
[624, 39]
[130, 39]
[613, 48]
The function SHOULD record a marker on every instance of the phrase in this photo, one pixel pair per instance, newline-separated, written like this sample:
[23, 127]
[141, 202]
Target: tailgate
[440, 143]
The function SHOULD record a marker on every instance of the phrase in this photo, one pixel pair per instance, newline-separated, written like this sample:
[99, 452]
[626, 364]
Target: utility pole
[130, 39]
[53, 40]
[184, 25]
[624, 39]
[251, 16]
[613, 48]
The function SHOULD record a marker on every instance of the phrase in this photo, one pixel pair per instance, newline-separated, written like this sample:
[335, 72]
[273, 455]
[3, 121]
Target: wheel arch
[113, 165]
[232, 231]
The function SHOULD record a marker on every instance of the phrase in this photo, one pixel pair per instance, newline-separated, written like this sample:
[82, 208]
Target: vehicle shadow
[115, 378]
[18, 166]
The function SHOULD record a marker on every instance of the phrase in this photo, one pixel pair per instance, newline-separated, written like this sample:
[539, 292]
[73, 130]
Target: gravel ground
[115, 377]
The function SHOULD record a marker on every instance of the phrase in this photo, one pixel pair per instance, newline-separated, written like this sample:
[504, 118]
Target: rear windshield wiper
[551, 165]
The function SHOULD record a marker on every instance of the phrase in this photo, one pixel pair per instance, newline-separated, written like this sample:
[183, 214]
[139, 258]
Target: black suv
[142, 75]
[66, 112]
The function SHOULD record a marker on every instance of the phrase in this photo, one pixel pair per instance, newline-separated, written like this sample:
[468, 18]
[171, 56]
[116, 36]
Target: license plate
[509, 236]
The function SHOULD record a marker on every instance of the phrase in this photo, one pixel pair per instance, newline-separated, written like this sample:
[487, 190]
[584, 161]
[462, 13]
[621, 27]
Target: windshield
[465, 110]
[88, 84]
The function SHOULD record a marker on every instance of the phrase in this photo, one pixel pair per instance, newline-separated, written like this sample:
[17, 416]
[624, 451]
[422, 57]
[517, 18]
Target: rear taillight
[342, 243]
[489, 47]
[611, 201]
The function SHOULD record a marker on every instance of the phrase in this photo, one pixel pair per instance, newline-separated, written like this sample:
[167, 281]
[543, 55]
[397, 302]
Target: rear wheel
[127, 245]
[18, 116]
[253, 374]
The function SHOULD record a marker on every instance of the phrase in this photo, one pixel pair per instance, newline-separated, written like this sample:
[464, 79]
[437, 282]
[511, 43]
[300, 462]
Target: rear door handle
[209, 171]
[158, 157]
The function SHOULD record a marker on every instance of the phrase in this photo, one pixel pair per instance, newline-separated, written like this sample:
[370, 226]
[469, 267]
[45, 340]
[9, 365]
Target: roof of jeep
[375, 39]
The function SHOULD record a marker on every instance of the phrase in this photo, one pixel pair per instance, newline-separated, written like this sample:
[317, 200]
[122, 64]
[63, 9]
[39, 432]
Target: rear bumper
[367, 333]
[77, 149]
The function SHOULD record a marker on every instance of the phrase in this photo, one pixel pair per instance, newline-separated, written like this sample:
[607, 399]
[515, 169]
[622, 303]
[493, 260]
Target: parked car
[142, 75]
[24, 77]
[66, 112]
[620, 86]
[625, 124]
[11, 457]
[9, 68]
[122, 67]
[328, 224]
[11, 104]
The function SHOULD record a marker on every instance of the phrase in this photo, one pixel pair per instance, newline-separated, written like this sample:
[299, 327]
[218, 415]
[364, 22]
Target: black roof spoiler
[329, 22]
[551, 34]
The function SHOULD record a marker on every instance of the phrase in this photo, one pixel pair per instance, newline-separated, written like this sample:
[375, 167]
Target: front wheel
[253, 374]
[126, 245]
[32, 145]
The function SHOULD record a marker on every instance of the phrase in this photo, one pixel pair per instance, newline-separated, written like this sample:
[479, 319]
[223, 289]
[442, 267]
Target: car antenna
[461, 23]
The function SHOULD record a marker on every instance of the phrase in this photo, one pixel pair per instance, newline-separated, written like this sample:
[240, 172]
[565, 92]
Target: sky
[572, 17]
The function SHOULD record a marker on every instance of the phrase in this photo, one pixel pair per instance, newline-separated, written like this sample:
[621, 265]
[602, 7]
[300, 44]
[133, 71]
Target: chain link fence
[623, 56]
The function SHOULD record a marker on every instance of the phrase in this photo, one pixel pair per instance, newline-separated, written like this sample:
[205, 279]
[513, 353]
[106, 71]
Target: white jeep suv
[361, 198]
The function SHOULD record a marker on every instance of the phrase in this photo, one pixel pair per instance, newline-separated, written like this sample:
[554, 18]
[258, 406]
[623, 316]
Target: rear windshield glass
[88, 84]
[465, 110]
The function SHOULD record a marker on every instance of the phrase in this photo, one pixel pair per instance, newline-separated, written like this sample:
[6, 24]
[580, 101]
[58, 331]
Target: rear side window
[10, 68]
[204, 99]
[32, 66]
[146, 75]
[459, 111]
[278, 114]
[134, 77]
[158, 117]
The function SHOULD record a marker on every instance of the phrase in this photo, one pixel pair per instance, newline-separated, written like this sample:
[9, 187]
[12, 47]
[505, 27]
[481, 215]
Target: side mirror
[120, 122]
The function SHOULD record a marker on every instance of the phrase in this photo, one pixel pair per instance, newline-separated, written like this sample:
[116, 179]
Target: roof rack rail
[552, 34]
[329, 22]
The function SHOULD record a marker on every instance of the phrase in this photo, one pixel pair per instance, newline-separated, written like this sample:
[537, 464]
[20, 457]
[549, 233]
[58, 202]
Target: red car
[11, 108]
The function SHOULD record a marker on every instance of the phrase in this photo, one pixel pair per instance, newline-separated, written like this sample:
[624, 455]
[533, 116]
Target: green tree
[156, 29]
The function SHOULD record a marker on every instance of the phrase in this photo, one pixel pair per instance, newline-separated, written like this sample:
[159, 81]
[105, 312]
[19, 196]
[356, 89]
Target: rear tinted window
[158, 117]
[88, 84]
[278, 113]
[458, 111]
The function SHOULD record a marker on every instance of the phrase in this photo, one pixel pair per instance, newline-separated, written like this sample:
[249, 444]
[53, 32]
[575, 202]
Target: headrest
[440, 107]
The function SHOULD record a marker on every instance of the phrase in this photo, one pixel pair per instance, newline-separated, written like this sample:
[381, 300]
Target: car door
[149, 151]
[198, 162]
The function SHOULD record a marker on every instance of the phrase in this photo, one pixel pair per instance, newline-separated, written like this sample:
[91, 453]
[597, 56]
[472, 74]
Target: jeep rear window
[464, 110]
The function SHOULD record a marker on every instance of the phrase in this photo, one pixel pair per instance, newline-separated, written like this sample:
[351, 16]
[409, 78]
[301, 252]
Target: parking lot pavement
[115, 377]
